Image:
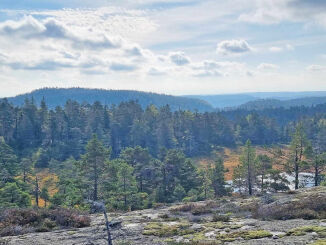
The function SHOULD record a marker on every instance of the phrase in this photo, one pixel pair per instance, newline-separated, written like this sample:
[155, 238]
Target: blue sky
[166, 46]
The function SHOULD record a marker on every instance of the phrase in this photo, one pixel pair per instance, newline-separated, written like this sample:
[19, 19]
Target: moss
[247, 235]
[301, 231]
[216, 225]
[257, 234]
[200, 236]
[234, 227]
[165, 230]
[319, 242]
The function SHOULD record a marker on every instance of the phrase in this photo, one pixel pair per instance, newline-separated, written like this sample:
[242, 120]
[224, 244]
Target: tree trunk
[296, 181]
[316, 175]
[124, 191]
[95, 181]
[36, 192]
[296, 170]
[107, 228]
[24, 176]
[249, 176]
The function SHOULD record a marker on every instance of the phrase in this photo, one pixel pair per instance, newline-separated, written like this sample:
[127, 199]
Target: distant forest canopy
[262, 104]
[264, 99]
[64, 131]
[201, 103]
[58, 97]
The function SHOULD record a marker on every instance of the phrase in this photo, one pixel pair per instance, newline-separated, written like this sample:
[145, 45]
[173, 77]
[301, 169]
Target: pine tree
[93, 163]
[126, 183]
[45, 195]
[248, 165]
[26, 168]
[264, 165]
[12, 196]
[217, 178]
[8, 162]
[298, 146]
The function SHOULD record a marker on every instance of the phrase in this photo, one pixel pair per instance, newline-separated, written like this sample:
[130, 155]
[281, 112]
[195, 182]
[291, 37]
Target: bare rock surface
[193, 224]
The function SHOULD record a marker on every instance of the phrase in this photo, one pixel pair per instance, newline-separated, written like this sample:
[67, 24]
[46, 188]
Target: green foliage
[299, 146]
[217, 178]
[179, 193]
[247, 168]
[93, 164]
[45, 195]
[8, 162]
[13, 196]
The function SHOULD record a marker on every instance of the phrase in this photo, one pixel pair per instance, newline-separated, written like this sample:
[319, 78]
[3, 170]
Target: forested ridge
[58, 97]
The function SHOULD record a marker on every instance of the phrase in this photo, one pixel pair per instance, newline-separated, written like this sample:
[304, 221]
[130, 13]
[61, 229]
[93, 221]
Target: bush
[310, 207]
[199, 210]
[267, 198]
[183, 208]
[220, 217]
[20, 221]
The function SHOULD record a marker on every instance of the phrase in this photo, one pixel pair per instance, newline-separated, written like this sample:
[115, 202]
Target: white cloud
[267, 66]
[275, 49]
[229, 47]
[286, 47]
[268, 12]
[211, 68]
[31, 28]
[179, 58]
[316, 68]
[153, 71]
[289, 47]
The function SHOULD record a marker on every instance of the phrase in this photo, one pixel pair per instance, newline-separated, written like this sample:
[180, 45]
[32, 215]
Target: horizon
[172, 47]
[182, 95]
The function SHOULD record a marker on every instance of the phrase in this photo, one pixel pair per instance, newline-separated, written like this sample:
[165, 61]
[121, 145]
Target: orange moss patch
[49, 180]
[231, 159]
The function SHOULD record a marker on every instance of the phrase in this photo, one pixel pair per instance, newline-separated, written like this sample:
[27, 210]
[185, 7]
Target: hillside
[58, 97]
[272, 99]
[227, 100]
[262, 104]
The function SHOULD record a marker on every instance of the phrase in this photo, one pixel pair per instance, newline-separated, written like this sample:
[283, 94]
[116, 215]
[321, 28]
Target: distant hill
[58, 97]
[274, 103]
[228, 100]
[221, 101]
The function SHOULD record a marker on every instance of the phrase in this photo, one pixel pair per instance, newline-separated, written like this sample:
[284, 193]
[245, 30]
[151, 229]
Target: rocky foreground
[226, 221]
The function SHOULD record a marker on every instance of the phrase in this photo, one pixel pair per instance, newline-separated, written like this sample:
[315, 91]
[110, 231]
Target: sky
[166, 46]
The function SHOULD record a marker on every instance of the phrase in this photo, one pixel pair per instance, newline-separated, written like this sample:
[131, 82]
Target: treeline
[63, 132]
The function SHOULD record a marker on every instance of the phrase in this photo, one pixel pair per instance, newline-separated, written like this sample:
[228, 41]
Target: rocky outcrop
[194, 224]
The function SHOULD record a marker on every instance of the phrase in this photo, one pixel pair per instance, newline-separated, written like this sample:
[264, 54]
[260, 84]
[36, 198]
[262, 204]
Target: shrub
[183, 208]
[220, 217]
[310, 207]
[267, 198]
[199, 210]
[20, 221]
